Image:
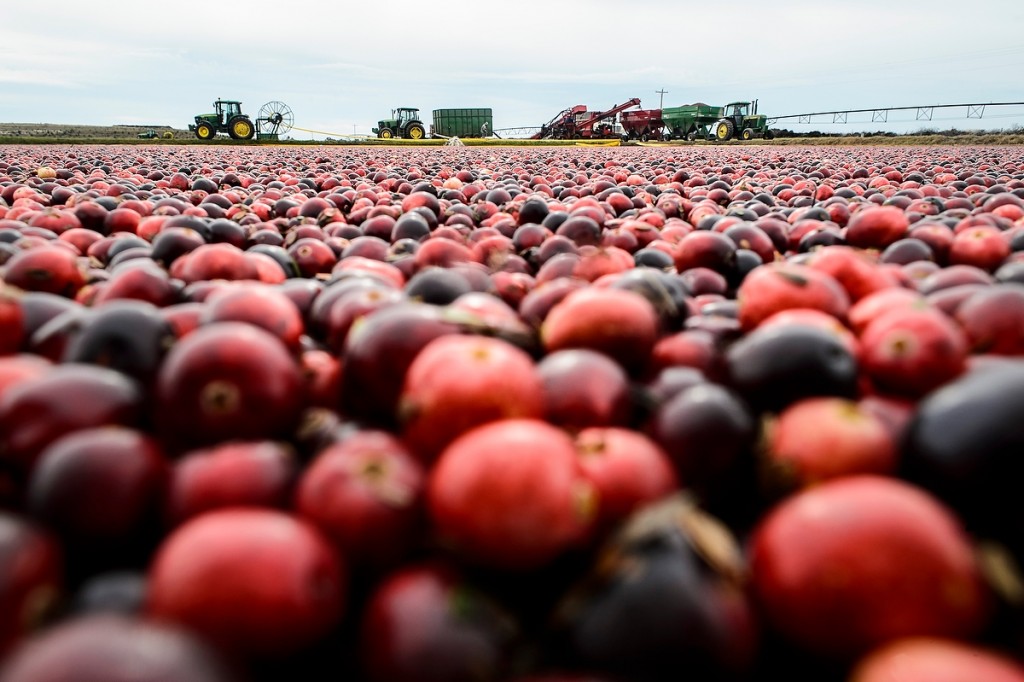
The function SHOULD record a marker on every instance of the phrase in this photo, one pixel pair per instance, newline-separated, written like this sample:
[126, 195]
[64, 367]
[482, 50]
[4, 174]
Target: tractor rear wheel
[205, 131]
[724, 130]
[748, 134]
[414, 132]
[385, 134]
[240, 128]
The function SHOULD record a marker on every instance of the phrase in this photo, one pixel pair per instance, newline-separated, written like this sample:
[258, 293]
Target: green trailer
[462, 123]
[691, 121]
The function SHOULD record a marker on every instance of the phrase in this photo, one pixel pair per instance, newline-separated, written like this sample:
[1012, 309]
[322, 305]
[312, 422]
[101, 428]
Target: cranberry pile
[511, 414]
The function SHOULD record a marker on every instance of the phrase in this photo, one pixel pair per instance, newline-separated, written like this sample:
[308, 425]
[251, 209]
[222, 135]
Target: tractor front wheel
[748, 134]
[414, 132]
[385, 134]
[205, 131]
[724, 130]
[240, 128]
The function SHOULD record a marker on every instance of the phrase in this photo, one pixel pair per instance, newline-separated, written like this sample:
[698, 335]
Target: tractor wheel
[414, 132]
[205, 131]
[168, 135]
[385, 134]
[748, 134]
[240, 128]
[724, 130]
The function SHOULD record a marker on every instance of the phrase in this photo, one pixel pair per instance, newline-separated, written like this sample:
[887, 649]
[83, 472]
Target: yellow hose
[321, 132]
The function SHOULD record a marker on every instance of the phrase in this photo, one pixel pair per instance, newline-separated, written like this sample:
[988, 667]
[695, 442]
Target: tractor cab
[404, 115]
[736, 110]
[227, 109]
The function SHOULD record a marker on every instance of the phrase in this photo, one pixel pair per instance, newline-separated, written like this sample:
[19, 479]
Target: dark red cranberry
[67, 398]
[129, 336]
[228, 380]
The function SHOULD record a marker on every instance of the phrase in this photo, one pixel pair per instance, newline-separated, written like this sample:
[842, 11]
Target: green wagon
[691, 121]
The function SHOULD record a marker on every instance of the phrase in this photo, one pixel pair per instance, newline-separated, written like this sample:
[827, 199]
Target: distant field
[65, 133]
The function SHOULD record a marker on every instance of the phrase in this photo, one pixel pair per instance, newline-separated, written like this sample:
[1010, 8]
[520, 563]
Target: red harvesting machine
[577, 122]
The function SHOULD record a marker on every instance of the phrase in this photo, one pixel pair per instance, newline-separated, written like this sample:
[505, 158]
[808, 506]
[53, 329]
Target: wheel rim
[386, 134]
[204, 132]
[243, 129]
[723, 130]
[415, 133]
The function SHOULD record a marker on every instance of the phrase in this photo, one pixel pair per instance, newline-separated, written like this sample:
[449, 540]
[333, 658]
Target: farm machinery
[273, 120]
[691, 121]
[152, 135]
[701, 121]
[578, 122]
[643, 125]
[449, 123]
[740, 119]
[404, 123]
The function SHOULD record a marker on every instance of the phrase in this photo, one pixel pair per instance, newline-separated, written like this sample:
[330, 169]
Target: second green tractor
[404, 123]
[740, 119]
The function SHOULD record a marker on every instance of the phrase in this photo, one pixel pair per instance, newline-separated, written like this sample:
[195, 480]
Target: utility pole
[661, 102]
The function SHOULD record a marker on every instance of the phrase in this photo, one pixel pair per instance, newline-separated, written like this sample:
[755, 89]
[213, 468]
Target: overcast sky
[342, 65]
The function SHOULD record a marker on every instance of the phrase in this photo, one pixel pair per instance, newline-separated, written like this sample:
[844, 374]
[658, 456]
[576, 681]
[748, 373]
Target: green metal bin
[463, 122]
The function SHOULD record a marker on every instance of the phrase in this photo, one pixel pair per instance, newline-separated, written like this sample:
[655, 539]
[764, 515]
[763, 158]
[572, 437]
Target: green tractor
[404, 122]
[740, 119]
[227, 119]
